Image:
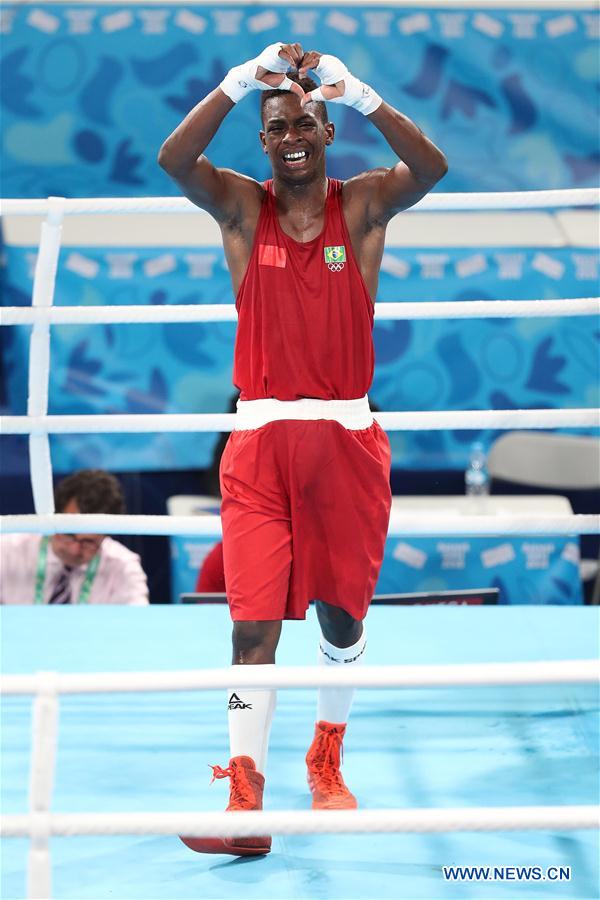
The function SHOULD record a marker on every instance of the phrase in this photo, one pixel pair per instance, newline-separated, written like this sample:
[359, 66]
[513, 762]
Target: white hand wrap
[240, 80]
[357, 94]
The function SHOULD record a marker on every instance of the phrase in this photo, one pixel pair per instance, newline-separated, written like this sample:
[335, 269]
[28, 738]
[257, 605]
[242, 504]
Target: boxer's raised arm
[181, 156]
[422, 164]
[220, 191]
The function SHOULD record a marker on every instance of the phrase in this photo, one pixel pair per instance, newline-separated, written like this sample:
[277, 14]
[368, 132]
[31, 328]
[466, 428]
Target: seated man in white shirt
[74, 568]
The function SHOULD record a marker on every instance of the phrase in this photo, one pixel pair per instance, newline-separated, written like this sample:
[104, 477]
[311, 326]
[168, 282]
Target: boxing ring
[447, 677]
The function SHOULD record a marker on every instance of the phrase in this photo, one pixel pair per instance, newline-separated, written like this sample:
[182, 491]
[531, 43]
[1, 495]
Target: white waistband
[352, 414]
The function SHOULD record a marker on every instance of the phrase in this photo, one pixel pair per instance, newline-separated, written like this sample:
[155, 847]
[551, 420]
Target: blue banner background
[90, 93]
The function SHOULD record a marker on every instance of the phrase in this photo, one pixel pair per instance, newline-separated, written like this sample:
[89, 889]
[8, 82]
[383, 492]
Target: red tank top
[305, 318]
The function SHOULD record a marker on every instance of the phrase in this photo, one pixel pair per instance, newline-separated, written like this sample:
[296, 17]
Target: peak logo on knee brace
[350, 659]
[236, 703]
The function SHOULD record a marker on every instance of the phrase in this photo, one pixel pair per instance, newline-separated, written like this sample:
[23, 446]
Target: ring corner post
[44, 737]
[44, 283]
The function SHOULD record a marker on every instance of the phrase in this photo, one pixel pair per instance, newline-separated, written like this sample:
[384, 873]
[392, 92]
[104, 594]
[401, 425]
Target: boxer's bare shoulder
[229, 196]
[361, 202]
[233, 200]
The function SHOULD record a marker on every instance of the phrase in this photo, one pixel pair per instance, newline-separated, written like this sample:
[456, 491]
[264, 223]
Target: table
[526, 569]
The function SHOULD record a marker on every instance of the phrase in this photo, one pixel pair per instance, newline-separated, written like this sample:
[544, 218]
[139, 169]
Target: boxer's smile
[295, 159]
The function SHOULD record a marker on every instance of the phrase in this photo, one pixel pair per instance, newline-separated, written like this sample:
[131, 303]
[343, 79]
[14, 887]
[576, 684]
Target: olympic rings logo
[335, 267]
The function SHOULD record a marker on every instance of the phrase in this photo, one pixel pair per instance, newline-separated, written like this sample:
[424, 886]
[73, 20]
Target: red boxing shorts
[305, 515]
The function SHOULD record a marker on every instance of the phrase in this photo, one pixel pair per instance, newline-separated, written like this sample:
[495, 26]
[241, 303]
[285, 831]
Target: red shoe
[245, 792]
[324, 777]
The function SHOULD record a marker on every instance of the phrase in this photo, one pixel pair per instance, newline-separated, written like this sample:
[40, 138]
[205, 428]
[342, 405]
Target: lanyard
[90, 574]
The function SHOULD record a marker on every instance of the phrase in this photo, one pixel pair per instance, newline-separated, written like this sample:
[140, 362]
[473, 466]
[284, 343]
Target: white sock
[249, 714]
[333, 704]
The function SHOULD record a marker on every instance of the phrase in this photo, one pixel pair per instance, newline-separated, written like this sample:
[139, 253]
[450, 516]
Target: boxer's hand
[309, 60]
[312, 60]
[338, 85]
[265, 72]
[289, 56]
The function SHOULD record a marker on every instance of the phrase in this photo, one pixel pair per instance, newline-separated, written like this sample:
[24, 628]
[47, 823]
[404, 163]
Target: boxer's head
[295, 137]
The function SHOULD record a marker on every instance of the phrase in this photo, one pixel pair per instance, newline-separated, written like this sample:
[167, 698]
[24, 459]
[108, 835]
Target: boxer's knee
[338, 627]
[255, 642]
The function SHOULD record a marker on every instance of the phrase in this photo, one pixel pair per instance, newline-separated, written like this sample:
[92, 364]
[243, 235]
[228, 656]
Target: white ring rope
[226, 312]
[578, 671]
[378, 821]
[449, 202]
[434, 420]
[411, 524]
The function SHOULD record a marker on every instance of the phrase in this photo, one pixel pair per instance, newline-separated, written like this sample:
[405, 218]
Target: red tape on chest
[270, 255]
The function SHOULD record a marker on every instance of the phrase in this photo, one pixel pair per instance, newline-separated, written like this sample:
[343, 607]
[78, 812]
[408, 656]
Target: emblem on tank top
[335, 257]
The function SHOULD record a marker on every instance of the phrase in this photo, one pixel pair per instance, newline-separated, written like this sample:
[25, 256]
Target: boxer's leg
[342, 643]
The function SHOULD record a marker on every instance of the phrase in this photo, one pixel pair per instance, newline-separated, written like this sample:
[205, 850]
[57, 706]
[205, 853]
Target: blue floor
[414, 748]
